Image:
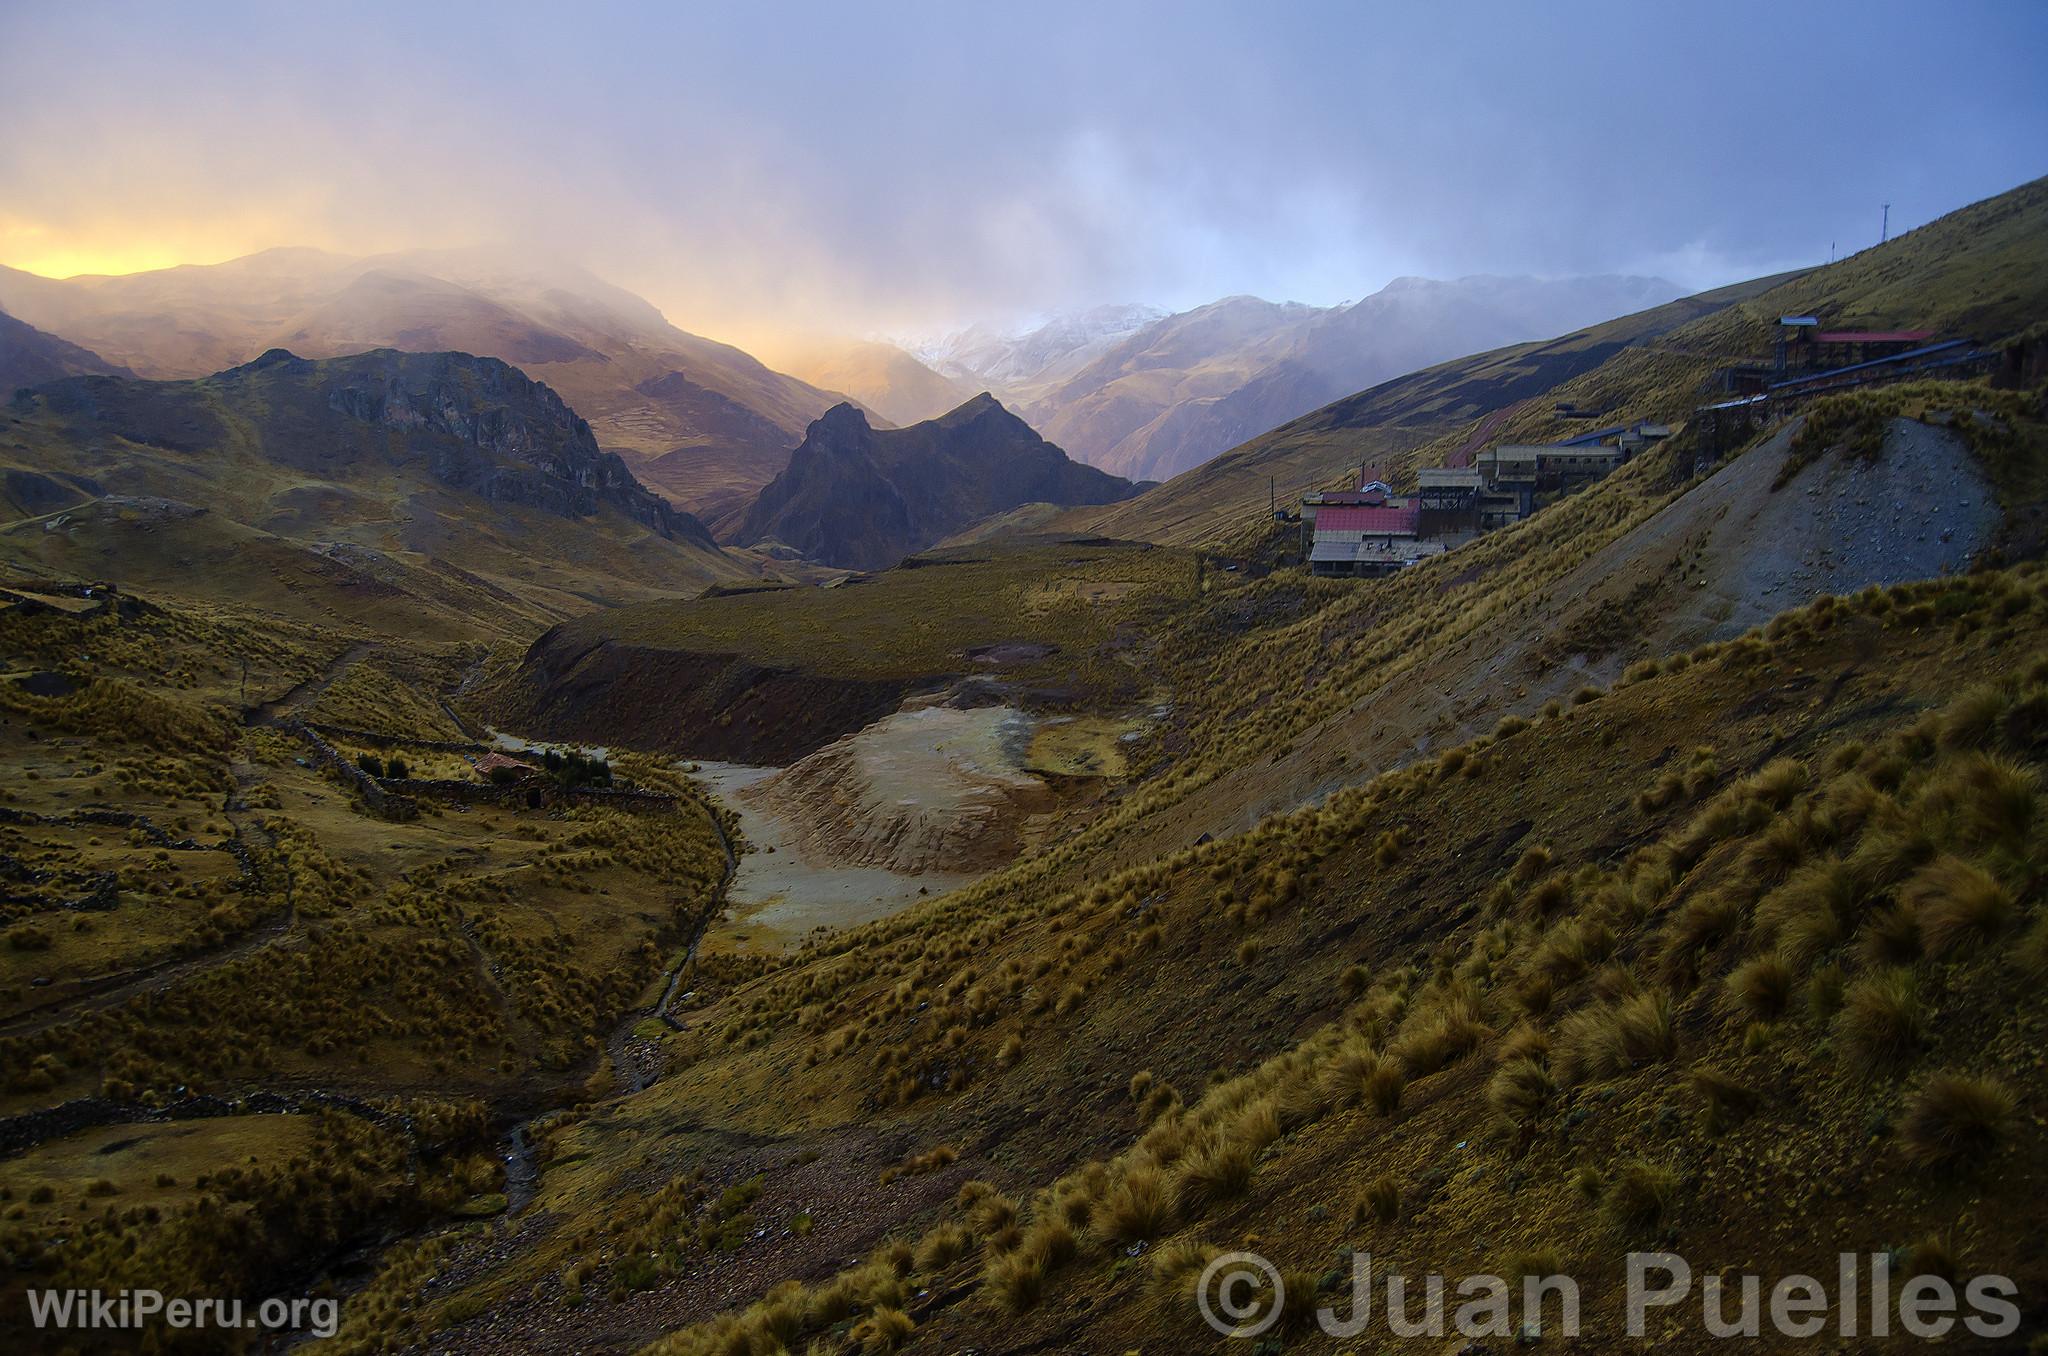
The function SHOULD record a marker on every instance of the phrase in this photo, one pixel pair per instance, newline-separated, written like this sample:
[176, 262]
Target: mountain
[1184, 388]
[861, 497]
[1020, 364]
[29, 357]
[1385, 424]
[415, 459]
[1661, 871]
[1976, 272]
[882, 377]
[643, 384]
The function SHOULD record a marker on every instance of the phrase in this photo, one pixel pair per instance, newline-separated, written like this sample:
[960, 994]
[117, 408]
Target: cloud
[810, 167]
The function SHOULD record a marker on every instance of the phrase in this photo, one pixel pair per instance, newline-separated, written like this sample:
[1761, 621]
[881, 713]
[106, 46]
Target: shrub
[884, 1330]
[942, 1247]
[1520, 1089]
[1971, 721]
[1017, 1279]
[1959, 904]
[1639, 1196]
[1894, 937]
[1956, 1121]
[1762, 987]
[1440, 1038]
[1380, 1200]
[1611, 1038]
[1214, 1171]
[2032, 953]
[1813, 909]
[1175, 1269]
[370, 763]
[1704, 923]
[28, 937]
[1140, 1207]
[988, 1210]
[1881, 1021]
[1728, 1101]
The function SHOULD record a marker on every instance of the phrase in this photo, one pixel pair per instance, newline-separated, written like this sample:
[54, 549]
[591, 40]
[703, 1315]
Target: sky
[767, 170]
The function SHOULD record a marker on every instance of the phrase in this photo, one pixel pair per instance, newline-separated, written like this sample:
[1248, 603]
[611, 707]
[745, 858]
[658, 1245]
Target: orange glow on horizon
[116, 248]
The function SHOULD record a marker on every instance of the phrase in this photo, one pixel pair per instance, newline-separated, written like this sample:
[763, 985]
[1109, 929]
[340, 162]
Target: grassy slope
[1506, 901]
[917, 621]
[449, 966]
[411, 547]
[1006, 1021]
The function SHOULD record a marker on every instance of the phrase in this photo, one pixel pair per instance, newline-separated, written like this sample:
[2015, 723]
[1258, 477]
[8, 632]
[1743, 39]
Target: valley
[950, 898]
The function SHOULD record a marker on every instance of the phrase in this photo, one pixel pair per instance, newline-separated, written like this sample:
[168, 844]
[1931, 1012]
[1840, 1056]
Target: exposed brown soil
[695, 705]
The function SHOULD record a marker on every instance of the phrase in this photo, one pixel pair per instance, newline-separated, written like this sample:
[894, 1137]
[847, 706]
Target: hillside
[1175, 393]
[1693, 965]
[394, 471]
[29, 357]
[1380, 426]
[643, 384]
[882, 377]
[1975, 272]
[860, 497]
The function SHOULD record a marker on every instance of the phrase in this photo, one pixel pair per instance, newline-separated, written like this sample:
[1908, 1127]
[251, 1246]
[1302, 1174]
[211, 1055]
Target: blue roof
[1585, 439]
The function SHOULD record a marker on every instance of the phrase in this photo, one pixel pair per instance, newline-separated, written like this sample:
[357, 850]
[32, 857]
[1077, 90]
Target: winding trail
[635, 1060]
[105, 991]
[279, 708]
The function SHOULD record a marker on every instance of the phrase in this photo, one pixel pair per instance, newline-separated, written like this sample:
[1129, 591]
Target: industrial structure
[1370, 531]
[1807, 361]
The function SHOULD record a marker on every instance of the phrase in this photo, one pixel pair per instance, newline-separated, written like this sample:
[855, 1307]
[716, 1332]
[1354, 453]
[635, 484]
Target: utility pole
[1884, 232]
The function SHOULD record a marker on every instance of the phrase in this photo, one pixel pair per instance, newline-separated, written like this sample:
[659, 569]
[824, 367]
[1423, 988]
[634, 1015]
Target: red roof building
[488, 763]
[1375, 521]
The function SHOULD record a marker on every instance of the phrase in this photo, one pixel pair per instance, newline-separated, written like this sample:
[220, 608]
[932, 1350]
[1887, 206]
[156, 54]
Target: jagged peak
[271, 358]
[972, 409]
[842, 419]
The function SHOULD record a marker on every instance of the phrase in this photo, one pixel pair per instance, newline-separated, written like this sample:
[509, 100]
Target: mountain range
[1149, 396]
[454, 481]
[29, 357]
[646, 387]
[1131, 389]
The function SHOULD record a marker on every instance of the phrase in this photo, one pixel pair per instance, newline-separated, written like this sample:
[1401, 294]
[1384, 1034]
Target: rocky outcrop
[863, 498]
[476, 425]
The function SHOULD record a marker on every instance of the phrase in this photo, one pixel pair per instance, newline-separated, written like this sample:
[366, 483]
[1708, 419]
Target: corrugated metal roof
[1346, 518]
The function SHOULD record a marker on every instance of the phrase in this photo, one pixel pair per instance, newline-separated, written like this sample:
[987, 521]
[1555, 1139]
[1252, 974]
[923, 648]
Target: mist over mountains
[645, 386]
[1147, 395]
